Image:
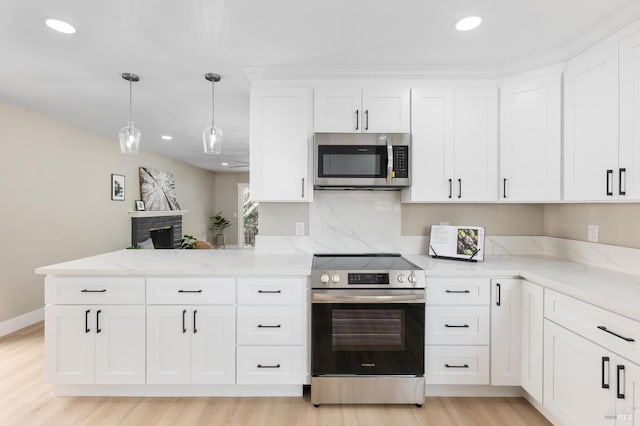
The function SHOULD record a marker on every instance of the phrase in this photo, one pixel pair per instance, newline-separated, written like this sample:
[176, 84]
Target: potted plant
[219, 225]
[187, 242]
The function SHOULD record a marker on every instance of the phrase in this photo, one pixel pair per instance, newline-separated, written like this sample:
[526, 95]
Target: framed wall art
[117, 187]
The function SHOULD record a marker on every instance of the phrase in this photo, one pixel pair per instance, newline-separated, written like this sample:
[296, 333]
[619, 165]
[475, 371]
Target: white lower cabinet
[457, 365]
[270, 365]
[531, 339]
[505, 331]
[92, 344]
[191, 344]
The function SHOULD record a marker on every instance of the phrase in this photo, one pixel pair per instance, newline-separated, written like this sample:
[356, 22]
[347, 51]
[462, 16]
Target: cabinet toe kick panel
[367, 390]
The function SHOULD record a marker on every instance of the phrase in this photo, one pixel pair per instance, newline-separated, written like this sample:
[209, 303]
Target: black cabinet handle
[609, 176]
[357, 119]
[270, 291]
[457, 326]
[450, 188]
[626, 339]
[98, 330]
[184, 328]
[189, 291]
[457, 366]
[104, 290]
[195, 330]
[457, 291]
[302, 188]
[269, 326]
[459, 188]
[86, 321]
[504, 188]
[366, 116]
[605, 375]
[620, 388]
[268, 366]
[498, 295]
[622, 191]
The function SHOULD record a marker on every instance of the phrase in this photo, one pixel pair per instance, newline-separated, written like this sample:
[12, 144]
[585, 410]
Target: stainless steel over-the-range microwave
[361, 160]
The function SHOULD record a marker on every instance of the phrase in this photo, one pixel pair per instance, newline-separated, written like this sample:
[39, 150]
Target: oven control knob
[324, 278]
[335, 278]
[400, 278]
[412, 278]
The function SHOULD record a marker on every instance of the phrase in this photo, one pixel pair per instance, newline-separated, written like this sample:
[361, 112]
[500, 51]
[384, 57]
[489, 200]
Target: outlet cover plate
[592, 233]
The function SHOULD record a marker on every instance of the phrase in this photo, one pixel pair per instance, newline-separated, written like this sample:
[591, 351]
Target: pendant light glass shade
[211, 135]
[130, 136]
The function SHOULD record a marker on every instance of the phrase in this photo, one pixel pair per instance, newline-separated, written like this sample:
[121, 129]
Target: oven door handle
[334, 298]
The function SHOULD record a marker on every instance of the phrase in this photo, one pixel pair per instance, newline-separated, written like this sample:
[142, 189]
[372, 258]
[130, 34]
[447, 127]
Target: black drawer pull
[269, 326]
[86, 321]
[626, 339]
[104, 290]
[270, 291]
[268, 366]
[457, 291]
[605, 374]
[620, 388]
[457, 366]
[457, 326]
[184, 328]
[189, 291]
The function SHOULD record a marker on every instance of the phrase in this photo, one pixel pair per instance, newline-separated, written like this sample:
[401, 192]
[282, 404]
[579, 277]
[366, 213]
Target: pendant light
[212, 136]
[129, 135]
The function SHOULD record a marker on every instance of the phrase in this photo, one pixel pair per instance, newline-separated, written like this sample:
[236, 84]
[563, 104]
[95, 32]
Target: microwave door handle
[389, 161]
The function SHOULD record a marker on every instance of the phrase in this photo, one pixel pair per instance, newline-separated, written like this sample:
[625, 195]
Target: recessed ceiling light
[468, 23]
[225, 164]
[166, 137]
[59, 26]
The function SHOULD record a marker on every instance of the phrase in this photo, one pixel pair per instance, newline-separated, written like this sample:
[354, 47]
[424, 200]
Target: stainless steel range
[367, 330]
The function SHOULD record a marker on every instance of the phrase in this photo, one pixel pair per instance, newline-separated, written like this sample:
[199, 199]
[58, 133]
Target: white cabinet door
[431, 146]
[628, 173]
[591, 124]
[476, 145]
[505, 331]
[69, 344]
[120, 345]
[337, 110]
[168, 345]
[530, 140]
[386, 111]
[579, 378]
[627, 393]
[213, 344]
[532, 339]
[280, 138]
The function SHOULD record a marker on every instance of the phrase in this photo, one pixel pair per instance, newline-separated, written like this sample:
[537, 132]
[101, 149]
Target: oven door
[367, 332]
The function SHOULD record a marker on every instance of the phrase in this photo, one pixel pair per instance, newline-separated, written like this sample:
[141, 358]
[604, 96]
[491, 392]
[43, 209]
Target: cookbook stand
[462, 259]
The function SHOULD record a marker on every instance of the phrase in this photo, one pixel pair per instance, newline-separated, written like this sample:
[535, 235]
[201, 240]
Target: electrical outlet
[592, 233]
[299, 228]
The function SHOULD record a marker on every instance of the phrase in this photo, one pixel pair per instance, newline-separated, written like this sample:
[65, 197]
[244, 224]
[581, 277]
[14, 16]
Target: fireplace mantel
[157, 213]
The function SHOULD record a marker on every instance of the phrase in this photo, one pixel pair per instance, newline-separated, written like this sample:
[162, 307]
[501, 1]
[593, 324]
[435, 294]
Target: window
[247, 217]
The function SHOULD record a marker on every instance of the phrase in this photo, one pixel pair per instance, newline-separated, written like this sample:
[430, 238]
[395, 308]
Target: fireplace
[164, 231]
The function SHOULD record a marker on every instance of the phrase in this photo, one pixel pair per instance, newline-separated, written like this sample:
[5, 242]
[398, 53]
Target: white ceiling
[172, 44]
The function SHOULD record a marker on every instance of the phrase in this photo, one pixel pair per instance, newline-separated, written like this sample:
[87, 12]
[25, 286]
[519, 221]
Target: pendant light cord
[213, 104]
[130, 101]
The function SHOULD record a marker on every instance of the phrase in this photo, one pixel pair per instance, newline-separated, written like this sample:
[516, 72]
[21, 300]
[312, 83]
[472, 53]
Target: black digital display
[375, 278]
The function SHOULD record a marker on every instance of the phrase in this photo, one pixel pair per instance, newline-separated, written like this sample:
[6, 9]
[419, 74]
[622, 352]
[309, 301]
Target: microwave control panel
[401, 161]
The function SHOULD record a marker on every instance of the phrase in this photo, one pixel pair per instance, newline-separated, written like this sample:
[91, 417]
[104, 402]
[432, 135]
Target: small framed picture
[117, 187]
[139, 205]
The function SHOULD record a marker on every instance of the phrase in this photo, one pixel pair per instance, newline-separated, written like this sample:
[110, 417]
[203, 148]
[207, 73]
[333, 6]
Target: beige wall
[619, 224]
[226, 194]
[281, 218]
[56, 203]
[497, 219]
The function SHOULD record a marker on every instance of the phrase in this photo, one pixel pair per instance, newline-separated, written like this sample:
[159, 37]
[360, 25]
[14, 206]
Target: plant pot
[220, 241]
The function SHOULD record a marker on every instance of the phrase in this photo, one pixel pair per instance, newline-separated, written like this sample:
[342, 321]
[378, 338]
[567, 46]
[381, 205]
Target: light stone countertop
[616, 291]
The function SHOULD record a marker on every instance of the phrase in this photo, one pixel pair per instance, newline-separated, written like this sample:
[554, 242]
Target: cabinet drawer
[269, 326]
[192, 291]
[457, 325]
[615, 332]
[93, 290]
[269, 365]
[457, 365]
[458, 291]
[271, 290]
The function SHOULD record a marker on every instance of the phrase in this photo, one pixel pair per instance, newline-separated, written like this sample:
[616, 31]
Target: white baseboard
[21, 321]
[473, 390]
[179, 390]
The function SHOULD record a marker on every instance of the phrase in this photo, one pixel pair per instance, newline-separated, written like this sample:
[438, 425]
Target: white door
[530, 140]
[505, 331]
[476, 145]
[628, 173]
[532, 339]
[120, 345]
[591, 124]
[337, 110]
[579, 378]
[213, 344]
[279, 145]
[431, 146]
[386, 111]
[69, 342]
[168, 344]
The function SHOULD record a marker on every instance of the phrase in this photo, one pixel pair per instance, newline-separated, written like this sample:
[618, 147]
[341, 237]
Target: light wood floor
[26, 400]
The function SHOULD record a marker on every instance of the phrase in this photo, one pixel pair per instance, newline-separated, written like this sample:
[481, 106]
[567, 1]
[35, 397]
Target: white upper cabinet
[280, 143]
[348, 110]
[628, 173]
[530, 140]
[454, 145]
